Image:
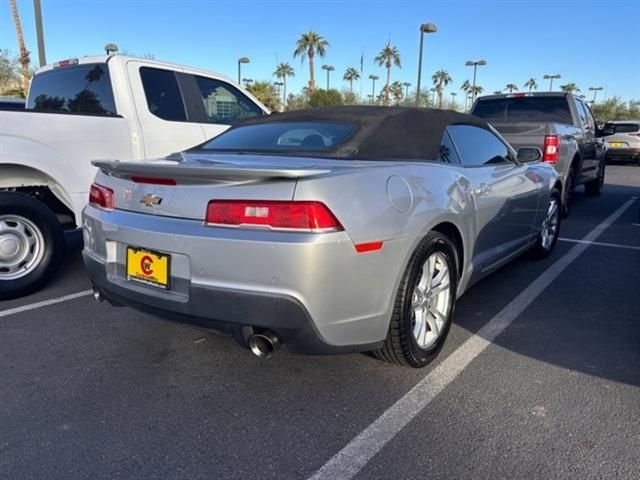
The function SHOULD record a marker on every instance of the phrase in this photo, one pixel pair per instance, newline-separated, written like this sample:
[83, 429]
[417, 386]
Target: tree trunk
[312, 81]
[440, 95]
[284, 86]
[24, 53]
[386, 90]
[351, 85]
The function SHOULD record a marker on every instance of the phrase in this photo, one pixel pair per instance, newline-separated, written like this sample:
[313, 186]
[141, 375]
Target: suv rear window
[78, 89]
[282, 137]
[524, 109]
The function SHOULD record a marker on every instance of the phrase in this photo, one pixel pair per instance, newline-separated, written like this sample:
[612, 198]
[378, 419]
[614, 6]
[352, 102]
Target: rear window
[78, 89]
[624, 127]
[282, 137]
[524, 109]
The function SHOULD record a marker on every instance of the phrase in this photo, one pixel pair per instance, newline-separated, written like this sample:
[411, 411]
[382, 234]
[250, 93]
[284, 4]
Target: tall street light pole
[475, 64]
[595, 91]
[241, 60]
[328, 68]
[551, 78]
[373, 86]
[424, 28]
[37, 11]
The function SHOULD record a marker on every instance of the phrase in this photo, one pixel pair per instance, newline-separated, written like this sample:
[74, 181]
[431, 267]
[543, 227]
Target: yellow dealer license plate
[616, 144]
[150, 268]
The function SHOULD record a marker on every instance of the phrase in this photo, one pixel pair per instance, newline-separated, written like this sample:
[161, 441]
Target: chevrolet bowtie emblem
[151, 200]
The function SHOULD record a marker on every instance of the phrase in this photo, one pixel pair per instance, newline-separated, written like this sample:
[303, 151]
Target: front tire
[424, 304]
[31, 245]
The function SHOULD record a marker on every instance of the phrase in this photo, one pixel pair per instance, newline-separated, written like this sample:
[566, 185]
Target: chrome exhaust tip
[97, 295]
[263, 344]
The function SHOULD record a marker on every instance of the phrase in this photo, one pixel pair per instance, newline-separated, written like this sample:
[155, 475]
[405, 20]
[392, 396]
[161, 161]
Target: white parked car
[622, 140]
[85, 109]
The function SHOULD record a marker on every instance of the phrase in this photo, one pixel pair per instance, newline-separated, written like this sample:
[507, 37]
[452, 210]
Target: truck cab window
[84, 89]
[163, 94]
[225, 104]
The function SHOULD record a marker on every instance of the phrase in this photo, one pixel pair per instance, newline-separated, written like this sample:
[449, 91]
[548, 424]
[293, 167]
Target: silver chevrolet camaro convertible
[330, 230]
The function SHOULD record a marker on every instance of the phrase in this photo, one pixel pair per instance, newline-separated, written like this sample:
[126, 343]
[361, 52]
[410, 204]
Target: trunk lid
[200, 178]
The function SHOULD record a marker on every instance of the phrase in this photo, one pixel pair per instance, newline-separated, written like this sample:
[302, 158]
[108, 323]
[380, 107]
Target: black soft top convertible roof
[381, 132]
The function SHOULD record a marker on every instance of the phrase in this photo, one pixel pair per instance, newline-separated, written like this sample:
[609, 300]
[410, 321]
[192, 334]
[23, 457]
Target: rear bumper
[227, 311]
[621, 154]
[315, 291]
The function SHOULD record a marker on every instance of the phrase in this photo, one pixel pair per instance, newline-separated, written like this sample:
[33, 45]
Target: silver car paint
[349, 296]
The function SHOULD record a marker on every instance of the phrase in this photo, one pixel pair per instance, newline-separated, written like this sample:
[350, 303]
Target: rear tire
[424, 303]
[593, 188]
[569, 187]
[31, 245]
[550, 231]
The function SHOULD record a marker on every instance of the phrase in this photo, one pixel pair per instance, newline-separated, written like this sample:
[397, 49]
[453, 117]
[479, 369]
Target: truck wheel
[31, 245]
[594, 187]
[569, 186]
[424, 304]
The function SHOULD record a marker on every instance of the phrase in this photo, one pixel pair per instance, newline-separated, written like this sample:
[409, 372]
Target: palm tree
[284, 70]
[350, 75]
[531, 84]
[465, 87]
[511, 87]
[441, 79]
[388, 57]
[475, 91]
[570, 87]
[397, 92]
[497, 92]
[24, 59]
[308, 45]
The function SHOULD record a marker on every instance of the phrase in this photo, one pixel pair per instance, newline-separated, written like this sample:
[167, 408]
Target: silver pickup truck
[555, 127]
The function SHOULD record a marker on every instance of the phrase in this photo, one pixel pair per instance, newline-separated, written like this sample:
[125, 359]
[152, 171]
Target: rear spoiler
[198, 171]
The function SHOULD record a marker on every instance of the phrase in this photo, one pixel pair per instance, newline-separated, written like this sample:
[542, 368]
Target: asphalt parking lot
[92, 391]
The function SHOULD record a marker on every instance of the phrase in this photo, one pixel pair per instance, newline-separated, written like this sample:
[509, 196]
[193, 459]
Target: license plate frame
[139, 259]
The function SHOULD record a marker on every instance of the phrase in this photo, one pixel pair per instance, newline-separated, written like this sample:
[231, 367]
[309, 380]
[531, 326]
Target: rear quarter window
[524, 109]
[83, 89]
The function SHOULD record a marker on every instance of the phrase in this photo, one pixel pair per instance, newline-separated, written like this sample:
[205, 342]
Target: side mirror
[529, 154]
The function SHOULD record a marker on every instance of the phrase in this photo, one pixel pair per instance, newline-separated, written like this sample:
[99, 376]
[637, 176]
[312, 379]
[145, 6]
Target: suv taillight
[551, 149]
[277, 215]
[102, 197]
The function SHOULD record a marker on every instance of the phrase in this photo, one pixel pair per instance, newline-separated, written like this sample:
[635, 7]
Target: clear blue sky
[590, 43]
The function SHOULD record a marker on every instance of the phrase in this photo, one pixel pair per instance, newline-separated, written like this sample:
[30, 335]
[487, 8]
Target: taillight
[551, 149]
[102, 197]
[278, 215]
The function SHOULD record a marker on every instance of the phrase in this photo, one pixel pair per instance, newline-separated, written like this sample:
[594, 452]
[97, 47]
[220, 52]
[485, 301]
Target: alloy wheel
[430, 302]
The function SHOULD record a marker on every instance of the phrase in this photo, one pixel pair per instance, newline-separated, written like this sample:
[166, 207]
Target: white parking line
[44, 303]
[354, 456]
[600, 244]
